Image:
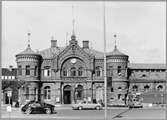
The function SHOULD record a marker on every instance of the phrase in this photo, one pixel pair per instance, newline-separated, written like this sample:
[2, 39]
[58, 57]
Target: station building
[66, 75]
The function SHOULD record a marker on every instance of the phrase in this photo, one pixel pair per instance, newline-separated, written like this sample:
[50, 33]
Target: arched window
[135, 88]
[64, 72]
[47, 92]
[98, 71]
[146, 87]
[159, 87]
[78, 92]
[80, 71]
[73, 71]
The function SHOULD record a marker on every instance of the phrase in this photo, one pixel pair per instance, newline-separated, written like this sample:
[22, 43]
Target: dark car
[38, 107]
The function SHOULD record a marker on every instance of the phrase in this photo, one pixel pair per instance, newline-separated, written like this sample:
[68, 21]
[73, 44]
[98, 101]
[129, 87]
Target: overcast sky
[140, 27]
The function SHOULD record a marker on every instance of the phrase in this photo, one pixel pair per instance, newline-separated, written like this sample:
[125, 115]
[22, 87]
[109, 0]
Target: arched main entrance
[67, 94]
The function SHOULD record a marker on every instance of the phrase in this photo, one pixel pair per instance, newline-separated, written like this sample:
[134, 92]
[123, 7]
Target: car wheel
[28, 111]
[48, 111]
[80, 107]
[97, 108]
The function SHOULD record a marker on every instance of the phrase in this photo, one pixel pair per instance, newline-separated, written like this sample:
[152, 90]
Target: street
[69, 114]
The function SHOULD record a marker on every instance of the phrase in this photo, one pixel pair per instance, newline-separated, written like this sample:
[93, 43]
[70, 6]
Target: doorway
[67, 94]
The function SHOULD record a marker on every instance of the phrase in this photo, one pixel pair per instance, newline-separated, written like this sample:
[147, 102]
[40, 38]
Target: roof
[8, 72]
[146, 66]
[96, 53]
[116, 52]
[28, 51]
[50, 52]
[148, 76]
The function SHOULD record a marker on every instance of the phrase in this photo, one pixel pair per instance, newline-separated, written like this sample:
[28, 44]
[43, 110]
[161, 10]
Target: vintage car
[38, 107]
[86, 105]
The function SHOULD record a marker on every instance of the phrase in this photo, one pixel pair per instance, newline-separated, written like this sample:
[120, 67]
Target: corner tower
[28, 63]
[117, 63]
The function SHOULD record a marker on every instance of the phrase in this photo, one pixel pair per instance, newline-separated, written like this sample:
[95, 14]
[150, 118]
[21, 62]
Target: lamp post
[105, 77]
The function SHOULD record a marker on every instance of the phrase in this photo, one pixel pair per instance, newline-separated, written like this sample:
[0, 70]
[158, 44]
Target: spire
[73, 37]
[115, 36]
[29, 34]
[73, 20]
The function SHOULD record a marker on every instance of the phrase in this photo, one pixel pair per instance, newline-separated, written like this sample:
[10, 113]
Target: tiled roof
[7, 72]
[96, 53]
[50, 52]
[146, 66]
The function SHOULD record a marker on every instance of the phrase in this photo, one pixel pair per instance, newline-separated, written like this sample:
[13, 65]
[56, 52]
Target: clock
[74, 60]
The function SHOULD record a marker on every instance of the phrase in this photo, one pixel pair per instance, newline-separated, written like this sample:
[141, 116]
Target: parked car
[38, 107]
[86, 105]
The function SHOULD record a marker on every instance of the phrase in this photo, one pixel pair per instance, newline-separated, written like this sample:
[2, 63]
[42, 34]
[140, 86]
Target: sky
[140, 27]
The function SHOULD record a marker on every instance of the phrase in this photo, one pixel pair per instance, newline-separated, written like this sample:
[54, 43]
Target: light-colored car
[86, 105]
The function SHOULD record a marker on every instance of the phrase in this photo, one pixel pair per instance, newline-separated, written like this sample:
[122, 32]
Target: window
[160, 88]
[35, 71]
[80, 71]
[27, 93]
[135, 88]
[47, 92]
[13, 77]
[110, 70]
[119, 70]
[64, 72]
[27, 70]
[146, 87]
[78, 92]
[19, 70]
[47, 71]
[98, 71]
[73, 71]
[2, 77]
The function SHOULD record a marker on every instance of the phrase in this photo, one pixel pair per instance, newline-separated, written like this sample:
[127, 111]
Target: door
[67, 95]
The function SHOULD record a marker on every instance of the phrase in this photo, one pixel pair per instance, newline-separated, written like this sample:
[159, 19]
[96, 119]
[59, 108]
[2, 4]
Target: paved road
[69, 114]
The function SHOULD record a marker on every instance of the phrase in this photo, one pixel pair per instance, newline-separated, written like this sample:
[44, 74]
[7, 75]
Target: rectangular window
[27, 93]
[19, 70]
[47, 71]
[110, 70]
[27, 70]
[119, 69]
[35, 71]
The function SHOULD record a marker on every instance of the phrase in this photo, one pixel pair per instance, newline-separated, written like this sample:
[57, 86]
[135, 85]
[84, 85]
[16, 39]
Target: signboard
[9, 108]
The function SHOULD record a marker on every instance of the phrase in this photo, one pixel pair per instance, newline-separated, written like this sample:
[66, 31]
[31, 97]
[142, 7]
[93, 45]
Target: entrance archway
[67, 94]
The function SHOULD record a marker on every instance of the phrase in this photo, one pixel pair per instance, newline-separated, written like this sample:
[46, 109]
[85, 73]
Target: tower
[28, 63]
[117, 63]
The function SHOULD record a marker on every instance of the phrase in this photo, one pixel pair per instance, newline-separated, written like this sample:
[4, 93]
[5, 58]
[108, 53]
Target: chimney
[85, 44]
[53, 43]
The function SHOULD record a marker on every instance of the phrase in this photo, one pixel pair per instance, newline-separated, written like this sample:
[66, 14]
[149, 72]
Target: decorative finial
[29, 34]
[115, 36]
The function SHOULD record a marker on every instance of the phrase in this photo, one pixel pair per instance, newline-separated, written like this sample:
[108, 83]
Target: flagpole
[105, 77]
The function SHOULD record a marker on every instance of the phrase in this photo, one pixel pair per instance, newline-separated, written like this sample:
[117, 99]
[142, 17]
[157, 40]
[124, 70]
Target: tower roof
[28, 51]
[116, 52]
